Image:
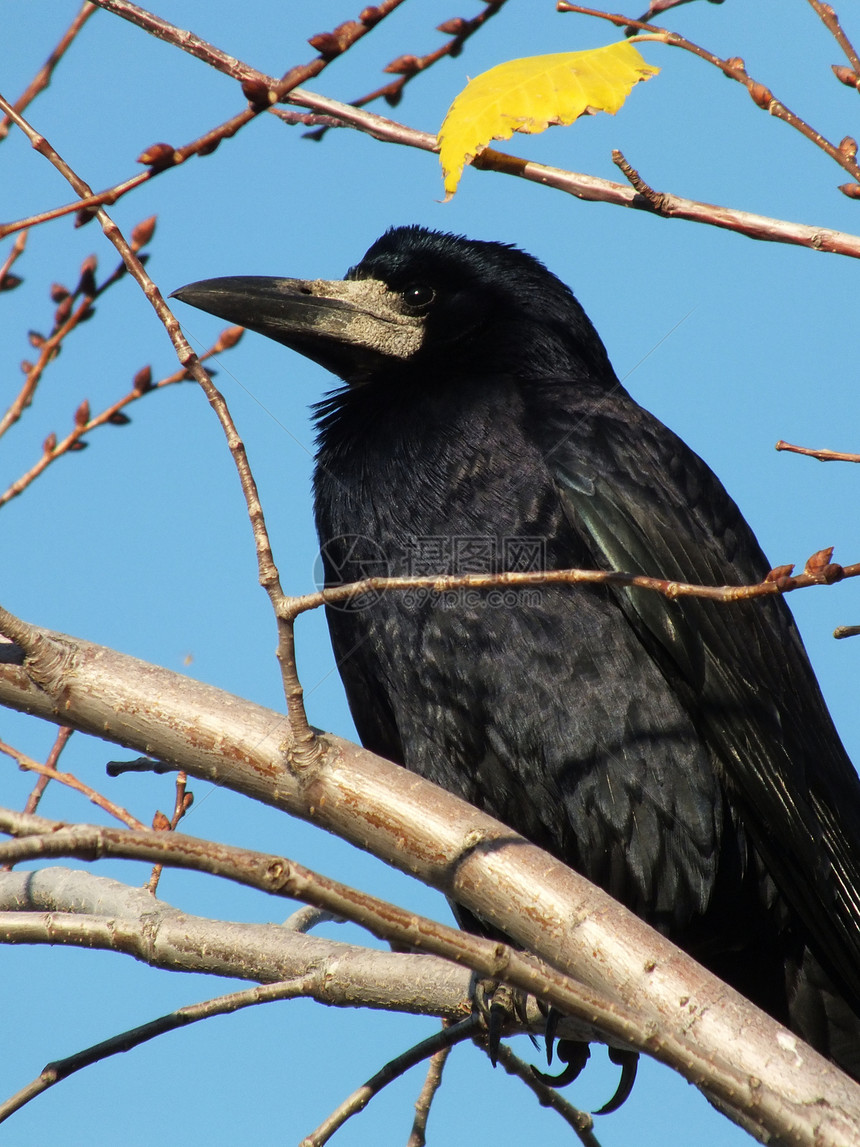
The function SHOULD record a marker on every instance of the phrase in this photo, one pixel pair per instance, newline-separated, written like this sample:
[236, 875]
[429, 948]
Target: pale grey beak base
[350, 327]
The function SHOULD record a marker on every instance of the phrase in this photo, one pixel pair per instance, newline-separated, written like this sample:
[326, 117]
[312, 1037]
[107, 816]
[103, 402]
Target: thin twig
[819, 570]
[64, 732]
[306, 746]
[589, 187]
[831, 22]
[67, 318]
[222, 1005]
[72, 782]
[182, 803]
[580, 1121]
[43, 77]
[446, 1038]
[53, 449]
[734, 69]
[261, 93]
[584, 187]
[656, 199]
[408, 66]
[821, 455]
[7, 280]
[432, 1083]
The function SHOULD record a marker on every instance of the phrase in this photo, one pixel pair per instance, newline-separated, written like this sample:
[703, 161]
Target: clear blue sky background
[141, 542]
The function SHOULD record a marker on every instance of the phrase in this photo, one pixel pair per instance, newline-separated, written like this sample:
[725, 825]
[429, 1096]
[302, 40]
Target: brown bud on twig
[187, 802]
[119, 419]
[369, 16]
[9, 282]
[404, 66]
[87, 282]
[819, 565]
[779, 572]
[258, 94]
[848, 147]
[761, 95]
[59, 292]
[846, 76]
[35, 339]
[737, 65]
[325, 44]
[852, 190]
[142, 380]
[63, 310]
[158, 156]
[453, 27]
[817, 561]
[160, 822]
[26, 366]
[82, 414]
[49, 444]
[331, 44]
[77, 444]
[85, 215]
[143, 232]
[228, 338]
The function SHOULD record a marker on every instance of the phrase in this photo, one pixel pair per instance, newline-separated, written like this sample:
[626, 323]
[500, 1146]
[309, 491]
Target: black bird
[678, 753]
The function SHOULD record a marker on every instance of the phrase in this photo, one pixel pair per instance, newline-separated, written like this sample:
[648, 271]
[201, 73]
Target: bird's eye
[419, 296]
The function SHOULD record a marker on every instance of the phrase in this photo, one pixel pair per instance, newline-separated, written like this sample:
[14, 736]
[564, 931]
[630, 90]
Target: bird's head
[434, 301]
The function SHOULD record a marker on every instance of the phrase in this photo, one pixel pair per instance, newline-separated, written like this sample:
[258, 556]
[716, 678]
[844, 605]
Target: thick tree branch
[57, 905]
[539, 903]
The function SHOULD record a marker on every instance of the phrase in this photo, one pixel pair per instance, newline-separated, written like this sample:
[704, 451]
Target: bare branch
[734, 68]
[304, 747]
[407, 66]
[818, 570]
[585, 187]
[43, 77]
[821, 455]
[432, 1083]
[57, 905]
[7, 281]
[48, 773]
[60, 742]
[579, 1121]
[192, 1013]
[543, 906]
[443, 1040]
[831, 22]
[142, 384]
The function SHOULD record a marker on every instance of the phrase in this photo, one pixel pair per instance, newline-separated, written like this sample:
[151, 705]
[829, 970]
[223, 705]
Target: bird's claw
[573, 1054]
[628, 1062]
[497, 1004]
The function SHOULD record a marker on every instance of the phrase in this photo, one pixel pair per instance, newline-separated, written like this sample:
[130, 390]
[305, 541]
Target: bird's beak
[351, 327]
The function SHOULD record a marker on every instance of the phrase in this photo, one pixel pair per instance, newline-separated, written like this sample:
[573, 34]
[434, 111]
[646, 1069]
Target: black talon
[628, 1062]
[553, 1016]
[497, 1004]
[574, 1055]
[496, 1019]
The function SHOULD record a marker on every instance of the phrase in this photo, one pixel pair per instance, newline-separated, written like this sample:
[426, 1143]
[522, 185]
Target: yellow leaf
[530, 94]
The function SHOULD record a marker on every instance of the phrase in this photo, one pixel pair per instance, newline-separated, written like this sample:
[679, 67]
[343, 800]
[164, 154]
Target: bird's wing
[643, 502]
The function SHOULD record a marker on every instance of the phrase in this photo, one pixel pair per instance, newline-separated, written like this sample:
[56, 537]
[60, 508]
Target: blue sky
[140, 542]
